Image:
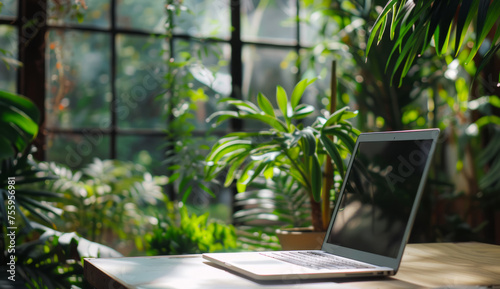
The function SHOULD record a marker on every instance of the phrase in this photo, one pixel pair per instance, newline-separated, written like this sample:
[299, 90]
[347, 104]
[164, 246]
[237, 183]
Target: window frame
[31, 77]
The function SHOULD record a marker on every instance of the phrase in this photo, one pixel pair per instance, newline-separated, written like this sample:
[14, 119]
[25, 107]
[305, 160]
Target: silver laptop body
[371, 221]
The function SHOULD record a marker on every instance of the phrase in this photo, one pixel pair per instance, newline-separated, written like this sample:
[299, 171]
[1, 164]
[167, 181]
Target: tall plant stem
[328, 175]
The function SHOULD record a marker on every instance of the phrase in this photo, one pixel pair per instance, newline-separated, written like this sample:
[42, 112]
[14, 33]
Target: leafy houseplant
[39, 257]
[179, 232]
[286, 144]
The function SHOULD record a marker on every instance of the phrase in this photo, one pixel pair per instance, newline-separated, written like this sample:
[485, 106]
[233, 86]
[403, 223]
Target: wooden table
[433, 265]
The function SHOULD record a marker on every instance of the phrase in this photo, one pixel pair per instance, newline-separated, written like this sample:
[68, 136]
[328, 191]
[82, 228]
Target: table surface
[430, 265]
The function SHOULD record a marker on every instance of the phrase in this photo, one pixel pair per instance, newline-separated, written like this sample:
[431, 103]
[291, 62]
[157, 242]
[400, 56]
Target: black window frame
[31, 76]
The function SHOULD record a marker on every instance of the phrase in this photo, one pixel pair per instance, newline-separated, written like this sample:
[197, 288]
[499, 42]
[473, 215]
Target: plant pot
[300, 239]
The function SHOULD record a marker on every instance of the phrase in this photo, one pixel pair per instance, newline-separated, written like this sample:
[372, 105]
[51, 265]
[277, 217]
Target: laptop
[371, 221]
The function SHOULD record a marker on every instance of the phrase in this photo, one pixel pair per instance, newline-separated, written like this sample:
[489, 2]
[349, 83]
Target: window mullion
[32, 55]
[114, 97]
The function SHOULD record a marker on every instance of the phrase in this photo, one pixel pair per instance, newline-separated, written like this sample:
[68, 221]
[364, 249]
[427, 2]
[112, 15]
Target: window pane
[208, 74]
[8, 73]
[206, 18]
[96, 13]
[144, 150]
[140, 72]
[9, 8]
[78, 80]
[316, 26]
[265, 20]
[77, 150]
[263, 69]
[143, 15]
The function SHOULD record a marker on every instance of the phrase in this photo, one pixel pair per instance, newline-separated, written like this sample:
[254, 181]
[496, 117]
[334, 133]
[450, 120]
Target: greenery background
[127, 203]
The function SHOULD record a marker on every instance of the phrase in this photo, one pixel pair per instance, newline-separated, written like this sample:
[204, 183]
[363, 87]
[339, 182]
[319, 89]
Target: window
[8, 49]
[104, 66]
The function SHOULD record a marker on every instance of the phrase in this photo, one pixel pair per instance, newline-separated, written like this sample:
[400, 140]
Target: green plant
[50, 259]
[340, 30]
[267, 206]
[284, 144]
[180, 233]
[188, 80]
[418, 25]
[458, 32]
[19, 122]
[108, 201]
[40, 257]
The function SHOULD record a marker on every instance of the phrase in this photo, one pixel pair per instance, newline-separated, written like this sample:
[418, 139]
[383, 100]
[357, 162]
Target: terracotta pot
[300, 239]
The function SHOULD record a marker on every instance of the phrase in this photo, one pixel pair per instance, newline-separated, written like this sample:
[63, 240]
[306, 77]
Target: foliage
[180, 233]
[19, 122]
[416, 26]
[459, 31]
[50, 259]
[285, 144]
[186, 151]
[269, 205]
[341, 29]
[72, 9]
[44, 258]
[16, 174]
[107, 199]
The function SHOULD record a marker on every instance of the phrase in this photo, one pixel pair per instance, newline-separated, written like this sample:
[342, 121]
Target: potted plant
[312, 155]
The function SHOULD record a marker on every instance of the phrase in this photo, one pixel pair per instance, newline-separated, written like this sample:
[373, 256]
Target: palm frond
[422, 24]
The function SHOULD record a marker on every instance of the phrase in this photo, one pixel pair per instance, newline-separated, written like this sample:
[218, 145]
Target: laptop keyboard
[316, 260]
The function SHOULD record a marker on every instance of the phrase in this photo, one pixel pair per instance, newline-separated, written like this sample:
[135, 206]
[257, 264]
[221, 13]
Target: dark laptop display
[379, 195]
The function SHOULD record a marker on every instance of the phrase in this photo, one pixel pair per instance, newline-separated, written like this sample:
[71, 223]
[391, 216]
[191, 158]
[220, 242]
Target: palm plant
[286, 144]
[270, 205]
[465, 30]
[44, 257]
[417, 25]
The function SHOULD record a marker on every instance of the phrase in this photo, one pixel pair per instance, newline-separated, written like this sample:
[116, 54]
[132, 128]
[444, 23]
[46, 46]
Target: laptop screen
[380, 191]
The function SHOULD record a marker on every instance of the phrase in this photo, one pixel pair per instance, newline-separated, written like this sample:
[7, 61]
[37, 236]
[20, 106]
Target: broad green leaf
[487, 16]
[489, 119]
[335, 117]
[345, 138]
[282, 101]
[18, 119]
[298, 91]
[333, 152]
[20, 104]
[309, 140]
[265, 105]
[316, 178]
[186, 193]
[222, 115]
[227, 148]
[378, 23]
[273, 122]
[257, 171]
[463, 21]
[348, 115]
[244, 105]
[302, 111]
[231, 173]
